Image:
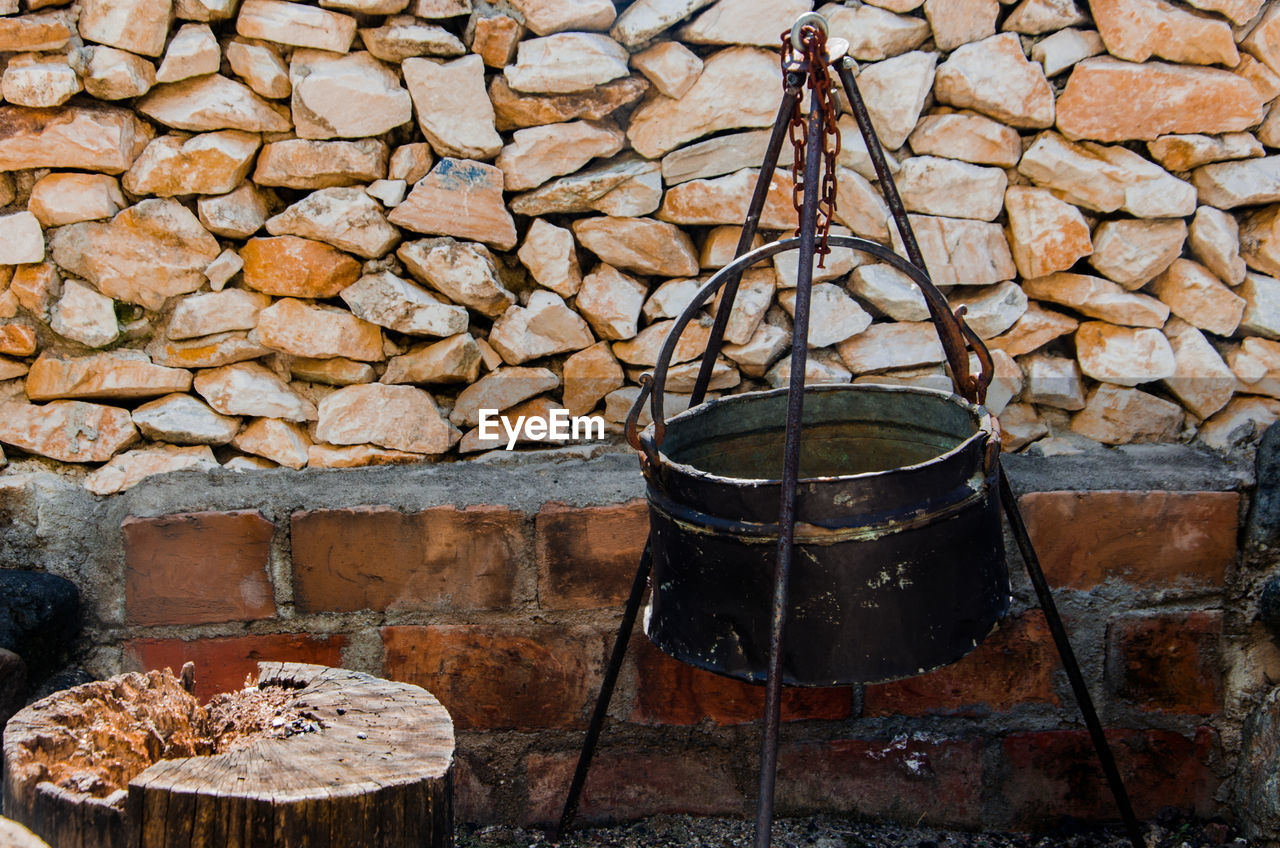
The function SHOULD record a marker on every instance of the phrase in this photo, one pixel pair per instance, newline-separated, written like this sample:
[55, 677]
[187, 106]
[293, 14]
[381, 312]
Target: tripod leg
[1078, 688]
[606, 690]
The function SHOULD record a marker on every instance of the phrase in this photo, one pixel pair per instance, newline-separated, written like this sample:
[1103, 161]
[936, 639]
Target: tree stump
[313, 756]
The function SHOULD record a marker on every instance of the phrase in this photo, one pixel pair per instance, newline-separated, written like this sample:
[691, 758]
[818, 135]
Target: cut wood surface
[367, 762]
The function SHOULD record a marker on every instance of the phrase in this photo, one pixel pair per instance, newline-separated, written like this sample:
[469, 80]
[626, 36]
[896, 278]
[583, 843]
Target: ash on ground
[826, 831]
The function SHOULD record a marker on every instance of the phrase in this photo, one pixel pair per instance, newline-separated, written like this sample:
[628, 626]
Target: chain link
[815, 59]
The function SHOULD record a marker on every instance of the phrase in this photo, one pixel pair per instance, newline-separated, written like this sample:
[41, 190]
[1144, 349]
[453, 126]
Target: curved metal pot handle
[954, 333]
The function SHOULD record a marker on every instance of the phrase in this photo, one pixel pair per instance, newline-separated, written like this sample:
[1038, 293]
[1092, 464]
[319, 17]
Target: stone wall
[500, 587]
[268, 233]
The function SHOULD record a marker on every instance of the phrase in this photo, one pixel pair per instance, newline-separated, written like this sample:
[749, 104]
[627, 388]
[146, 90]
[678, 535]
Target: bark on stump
[377, 772]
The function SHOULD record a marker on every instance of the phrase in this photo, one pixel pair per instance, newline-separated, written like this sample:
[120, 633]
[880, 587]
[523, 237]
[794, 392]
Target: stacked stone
[253, 233]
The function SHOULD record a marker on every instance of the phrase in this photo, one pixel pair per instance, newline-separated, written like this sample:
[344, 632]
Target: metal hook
[807, 19]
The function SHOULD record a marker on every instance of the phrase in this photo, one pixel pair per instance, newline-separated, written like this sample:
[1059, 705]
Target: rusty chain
[815, 61]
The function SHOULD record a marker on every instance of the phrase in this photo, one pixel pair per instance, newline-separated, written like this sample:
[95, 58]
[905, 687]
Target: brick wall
[504, 603]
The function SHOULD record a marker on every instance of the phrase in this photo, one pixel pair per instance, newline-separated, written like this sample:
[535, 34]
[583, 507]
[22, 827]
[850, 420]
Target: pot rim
[985, 429]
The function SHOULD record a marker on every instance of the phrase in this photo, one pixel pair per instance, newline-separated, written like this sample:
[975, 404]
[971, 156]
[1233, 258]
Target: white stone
[1045, 233]
[456, 359]
[890, 291]
[502, 389]
[958, 22]
[895, 91]
[112, 74]
[390, 193]
[839, 262]
[1215, 241]
[402, 418]
[139, 26]
[239, 214]
[548, 253]
[1256, 364]
[1201, 380]
[1262, 305]
[1196, 296]
[671, 298]
[213, 102]
[184, 420]
[833, 315]
[611, 302]
[205, 10]
[670, 66]
[545, 17]
[303, 163]
[403, 36]
[282, 442]
[260, 66]
[84, 315]
[461, 271]
[991, 309]
[624, 186]
[860, 206]
[1106, 178]
[41, 81]
[247, 388]
[216, 312]
[222, 269]
[744, 22]
[1245, 182]
[461, 198]
[1133, 252]
[397, 304]
[820, 368]
[454, 110]
[644, 19]
[566, 62]
[1241, 421]
[755, 294]
[738, 87]
[726, 200]
[347, 218]
[1191, 150]
[1036, 17]
[954, 189]
[208, 163]
[296, 24]
[968, 137]
[1125, 356]
[352, 96]
[873, 33]
[641, 245]
[1098, 298]
[883, 347]
[542, 327]
[959, 251]
[192, 51]
[758, 353]
[1053, 381]
[1120, 416]
[21, 239]
[994, 77]
[536, 154]
[1064, 49]
[128, 469]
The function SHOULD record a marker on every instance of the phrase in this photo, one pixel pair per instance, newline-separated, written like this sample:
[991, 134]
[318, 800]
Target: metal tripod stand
[810, 62]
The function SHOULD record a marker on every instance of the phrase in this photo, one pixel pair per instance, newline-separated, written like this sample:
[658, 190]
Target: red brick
[671, 692]
[1048, 775]
[197, 568]
[634, 784]
[1167, 662]
[588, 556]
[507, 677]
[474, 798]
[1150, 539]
[910, 779]
[1013, 666]
[380, 558]
[223, 663]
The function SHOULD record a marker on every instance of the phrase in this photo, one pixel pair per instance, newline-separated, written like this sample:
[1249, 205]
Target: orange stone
[289, 266]
[1110, 100]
